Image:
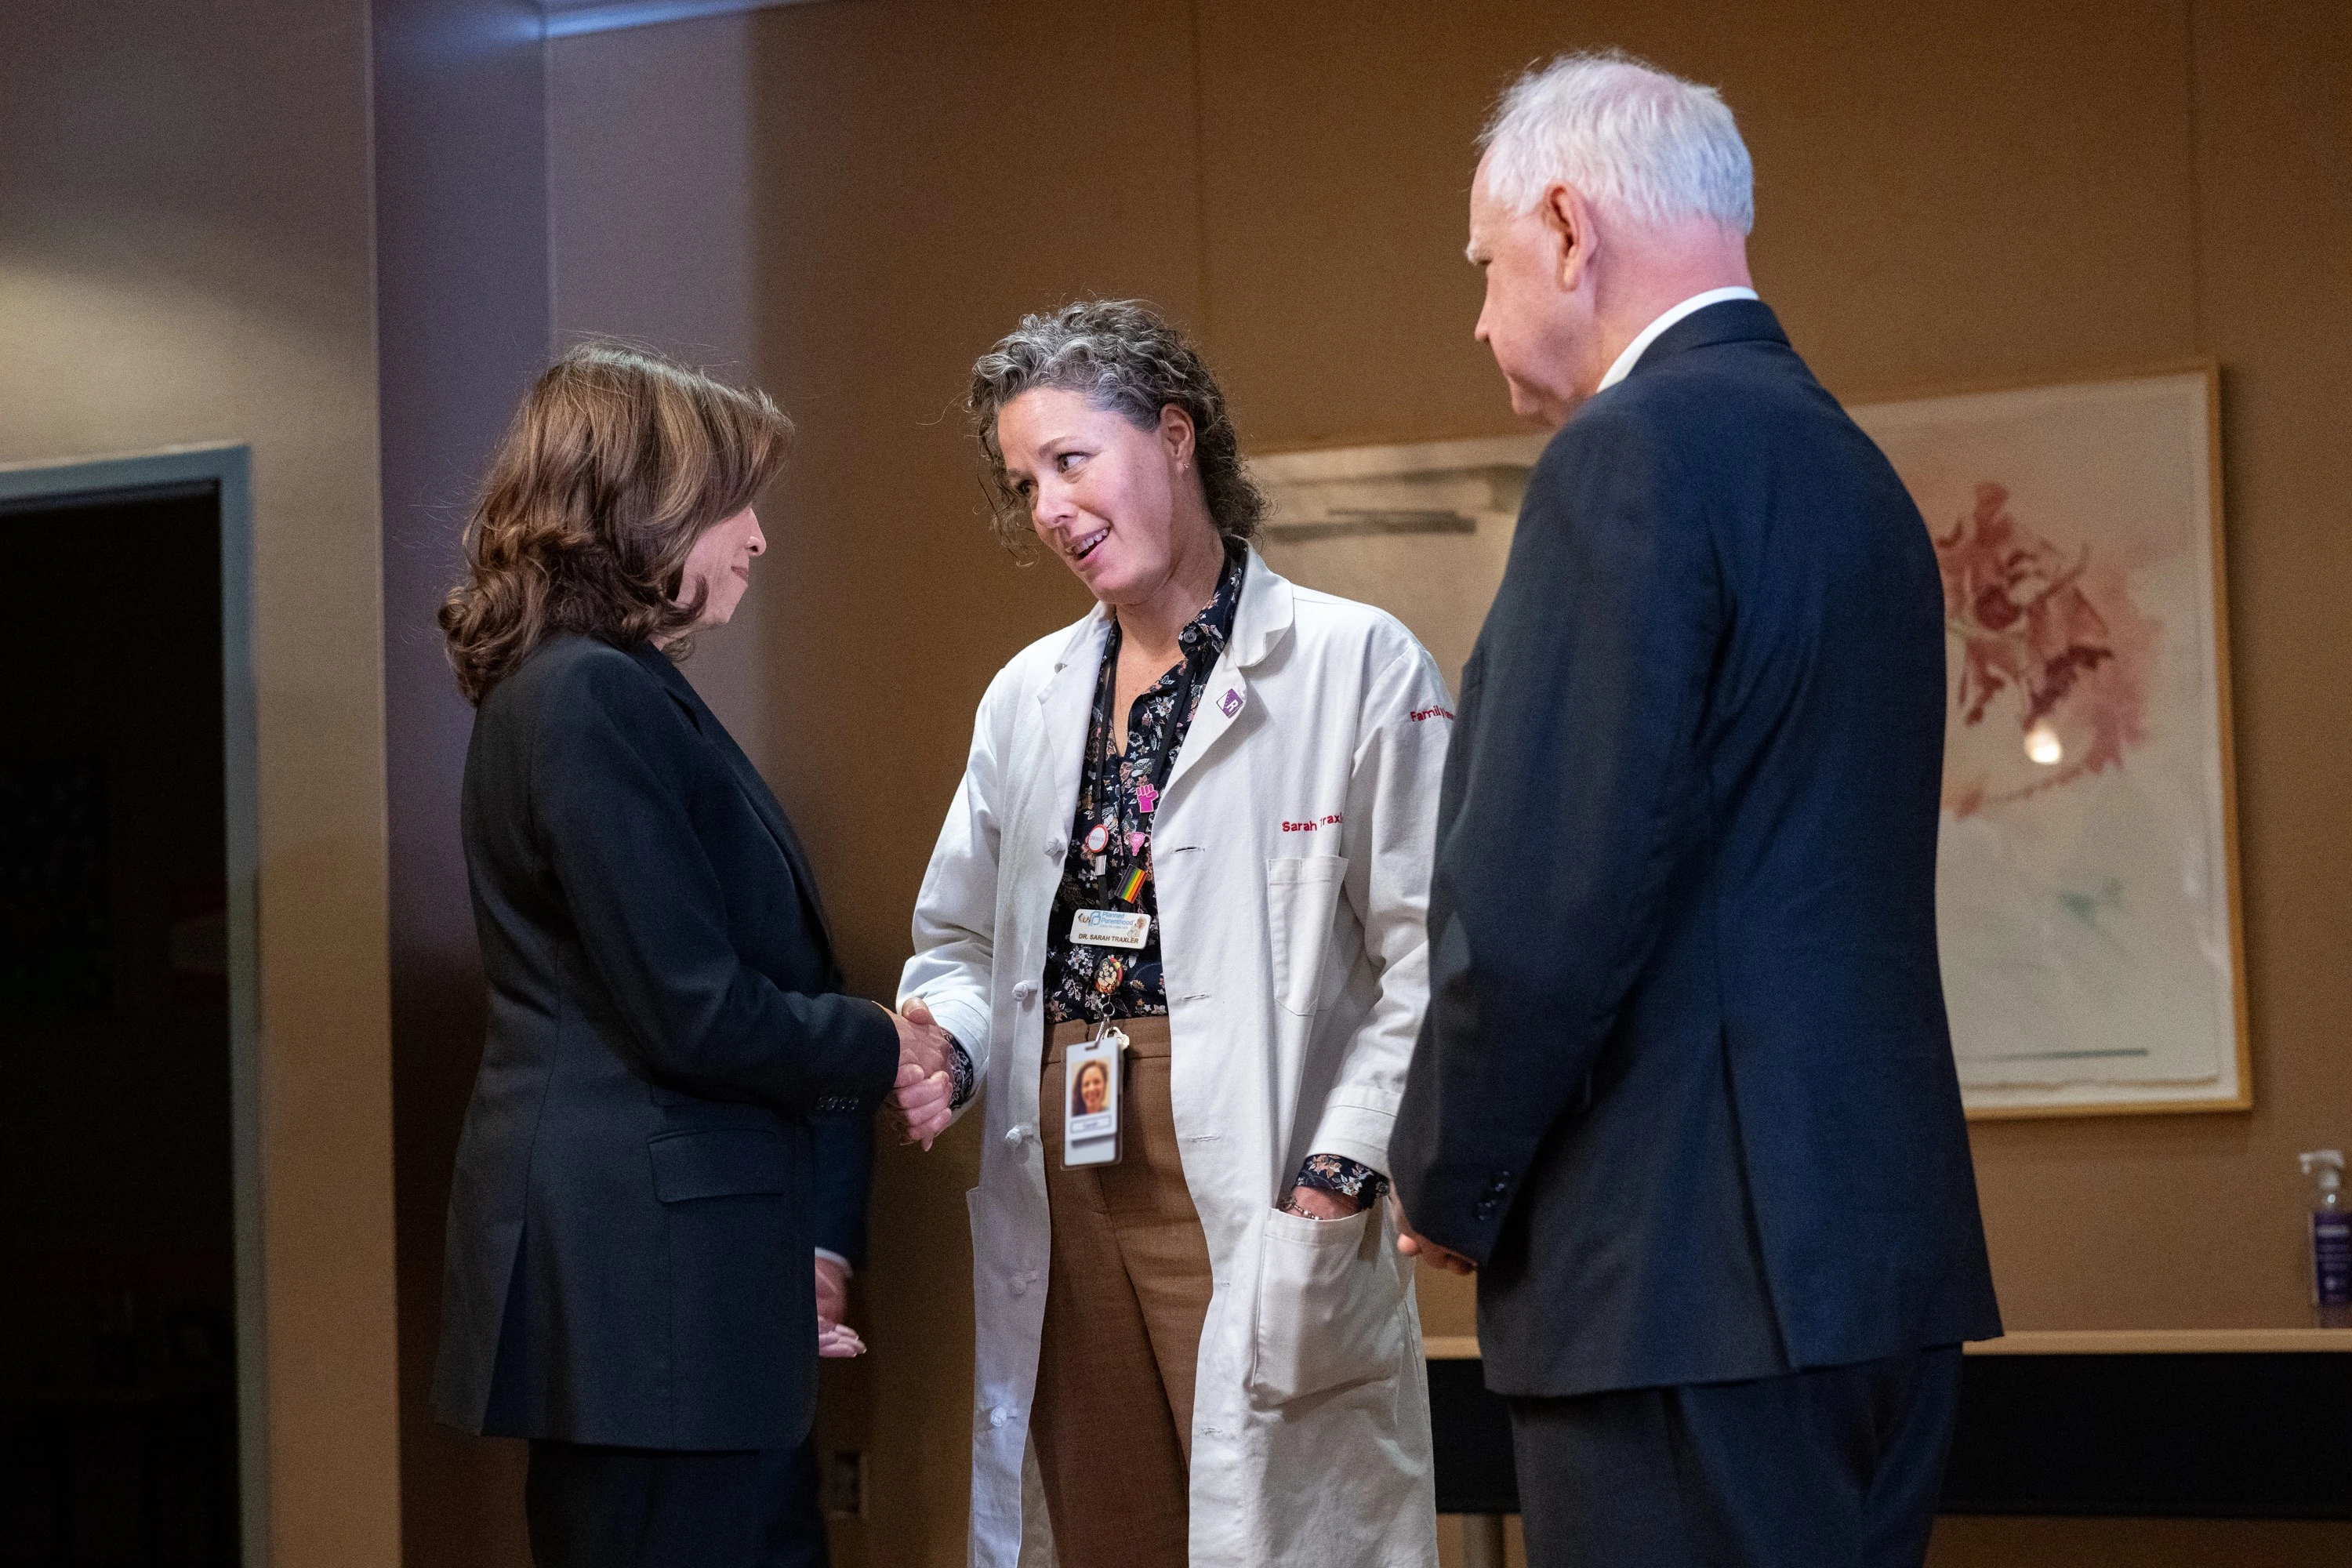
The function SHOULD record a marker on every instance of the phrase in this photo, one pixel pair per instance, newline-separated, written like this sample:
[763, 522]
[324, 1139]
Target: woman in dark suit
[630, 1234]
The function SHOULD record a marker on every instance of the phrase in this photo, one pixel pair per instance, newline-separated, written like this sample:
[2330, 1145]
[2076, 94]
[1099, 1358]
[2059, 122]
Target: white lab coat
[1291, 854]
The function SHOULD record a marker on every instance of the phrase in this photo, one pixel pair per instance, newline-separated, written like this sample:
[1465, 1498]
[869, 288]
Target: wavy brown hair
[616, 463]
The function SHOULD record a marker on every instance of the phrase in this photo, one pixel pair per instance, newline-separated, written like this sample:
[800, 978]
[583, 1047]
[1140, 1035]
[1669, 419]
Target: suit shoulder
[569, 661]
[1626, 417]
[1721, 406]
[1701, 389]
[571, 682]
[1611, 442]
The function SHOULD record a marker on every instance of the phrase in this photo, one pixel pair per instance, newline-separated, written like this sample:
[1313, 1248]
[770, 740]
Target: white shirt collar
[1651, 333]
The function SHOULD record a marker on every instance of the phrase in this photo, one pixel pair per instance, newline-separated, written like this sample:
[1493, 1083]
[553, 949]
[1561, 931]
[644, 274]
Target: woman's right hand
[920, 1102]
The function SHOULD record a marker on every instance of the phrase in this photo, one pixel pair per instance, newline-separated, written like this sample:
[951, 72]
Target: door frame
[225, 468]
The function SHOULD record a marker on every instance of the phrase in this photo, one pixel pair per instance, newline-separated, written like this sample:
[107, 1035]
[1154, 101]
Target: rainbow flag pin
[1133, 885]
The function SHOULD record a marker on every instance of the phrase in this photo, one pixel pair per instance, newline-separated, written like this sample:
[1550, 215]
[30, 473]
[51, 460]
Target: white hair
[1631, 137]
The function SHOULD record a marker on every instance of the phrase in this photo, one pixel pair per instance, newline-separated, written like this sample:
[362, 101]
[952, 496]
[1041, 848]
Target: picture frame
[2088, 894]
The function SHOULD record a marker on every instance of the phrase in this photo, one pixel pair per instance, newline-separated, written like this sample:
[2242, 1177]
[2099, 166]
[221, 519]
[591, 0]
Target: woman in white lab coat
[1194, 836]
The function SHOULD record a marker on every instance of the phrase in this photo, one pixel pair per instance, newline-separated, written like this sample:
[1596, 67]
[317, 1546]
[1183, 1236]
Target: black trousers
[1838, 1467]
[660, 1507]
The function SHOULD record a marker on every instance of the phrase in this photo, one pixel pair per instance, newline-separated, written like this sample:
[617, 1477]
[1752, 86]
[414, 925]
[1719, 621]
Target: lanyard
[1108, 803]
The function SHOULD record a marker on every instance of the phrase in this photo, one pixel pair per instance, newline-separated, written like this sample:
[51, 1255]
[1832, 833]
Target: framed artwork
[2087, 872]
[2087, 888]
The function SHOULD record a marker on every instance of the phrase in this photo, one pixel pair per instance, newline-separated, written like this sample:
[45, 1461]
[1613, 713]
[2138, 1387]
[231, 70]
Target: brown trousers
[1127, 1291]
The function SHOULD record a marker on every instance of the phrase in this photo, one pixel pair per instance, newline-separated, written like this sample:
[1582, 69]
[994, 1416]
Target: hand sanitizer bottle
[2331, 1238]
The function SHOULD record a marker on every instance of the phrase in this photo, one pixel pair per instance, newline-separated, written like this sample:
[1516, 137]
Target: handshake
[922, 1102]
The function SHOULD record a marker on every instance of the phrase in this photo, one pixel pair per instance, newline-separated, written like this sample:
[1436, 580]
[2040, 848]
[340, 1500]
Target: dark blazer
[1684, 1088]
[633, 1211]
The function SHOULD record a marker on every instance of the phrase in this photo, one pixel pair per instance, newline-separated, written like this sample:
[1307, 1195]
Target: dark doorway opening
[117, 1214]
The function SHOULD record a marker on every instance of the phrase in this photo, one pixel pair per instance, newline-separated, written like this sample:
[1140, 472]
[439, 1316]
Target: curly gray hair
[1132, 361]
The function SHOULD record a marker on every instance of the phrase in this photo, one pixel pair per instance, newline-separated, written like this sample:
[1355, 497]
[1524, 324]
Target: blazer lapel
[763, 801]
[753, 787]
[1225, 697]
[1064, 707]
[1260, 622]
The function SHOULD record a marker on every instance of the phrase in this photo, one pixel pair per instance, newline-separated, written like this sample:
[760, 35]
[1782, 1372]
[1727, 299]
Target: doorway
[129, 1334]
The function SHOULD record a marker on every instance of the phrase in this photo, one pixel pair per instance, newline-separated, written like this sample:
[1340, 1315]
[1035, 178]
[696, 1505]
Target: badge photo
[1090, 1124]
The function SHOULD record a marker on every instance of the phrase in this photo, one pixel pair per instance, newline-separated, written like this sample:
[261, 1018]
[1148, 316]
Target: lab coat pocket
[1302, 895]
[1330, 1309]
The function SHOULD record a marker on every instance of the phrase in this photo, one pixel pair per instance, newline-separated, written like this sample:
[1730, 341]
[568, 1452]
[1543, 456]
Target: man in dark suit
[1685, 1094]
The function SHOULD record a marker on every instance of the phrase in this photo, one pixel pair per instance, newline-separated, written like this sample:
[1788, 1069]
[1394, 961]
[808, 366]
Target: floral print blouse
[1117, 791]
[1090, 983]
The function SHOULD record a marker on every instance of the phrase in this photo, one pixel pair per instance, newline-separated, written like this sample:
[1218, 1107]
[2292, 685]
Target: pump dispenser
[2331, 1237]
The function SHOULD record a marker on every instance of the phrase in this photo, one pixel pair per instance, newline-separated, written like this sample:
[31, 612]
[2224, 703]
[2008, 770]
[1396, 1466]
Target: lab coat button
[999, 1416]
[1014, 1135]
[1055, 848]
[1022, 992]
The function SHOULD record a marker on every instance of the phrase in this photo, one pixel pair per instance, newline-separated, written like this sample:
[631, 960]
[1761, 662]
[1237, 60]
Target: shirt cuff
[962, 1081]
[827, 1252]
[1342, 1177]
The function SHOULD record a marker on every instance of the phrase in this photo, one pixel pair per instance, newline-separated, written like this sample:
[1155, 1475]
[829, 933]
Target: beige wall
[1961, 192]
[186, 257]
[653, 197]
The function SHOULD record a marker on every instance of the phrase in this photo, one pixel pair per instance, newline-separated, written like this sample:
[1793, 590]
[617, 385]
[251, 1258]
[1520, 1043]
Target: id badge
[1090, 1074]
[1110, 928]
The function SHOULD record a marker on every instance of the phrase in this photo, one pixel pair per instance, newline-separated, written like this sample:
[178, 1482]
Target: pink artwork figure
[2056, 638]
